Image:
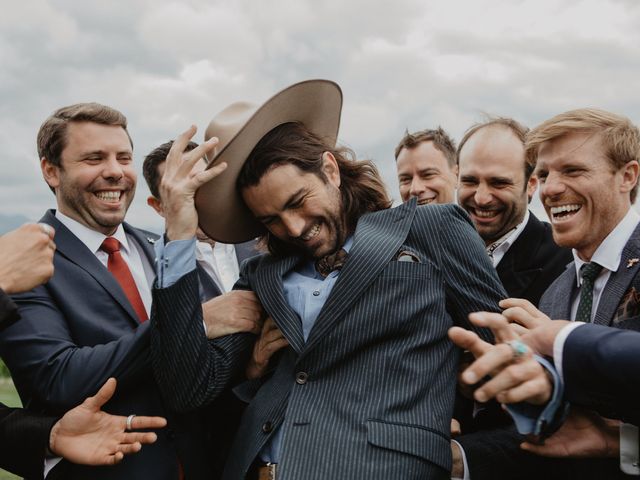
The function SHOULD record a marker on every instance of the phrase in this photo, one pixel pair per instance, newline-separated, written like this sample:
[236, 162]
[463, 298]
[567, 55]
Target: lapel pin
[152, 241]
[632, 261]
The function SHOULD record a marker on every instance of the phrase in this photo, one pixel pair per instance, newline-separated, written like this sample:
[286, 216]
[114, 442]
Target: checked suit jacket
[369, 395]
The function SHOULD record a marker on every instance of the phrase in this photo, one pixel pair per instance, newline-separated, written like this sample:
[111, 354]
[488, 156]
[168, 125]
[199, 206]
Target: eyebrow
[292, 199]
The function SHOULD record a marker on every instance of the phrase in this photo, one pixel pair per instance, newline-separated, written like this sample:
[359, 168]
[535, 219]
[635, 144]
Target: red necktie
[120, 270]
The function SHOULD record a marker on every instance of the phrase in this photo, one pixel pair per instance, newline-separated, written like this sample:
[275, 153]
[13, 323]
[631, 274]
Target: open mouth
[426, 201]
[312, 233]
[109, 196]
[564, 212]
[485, 214]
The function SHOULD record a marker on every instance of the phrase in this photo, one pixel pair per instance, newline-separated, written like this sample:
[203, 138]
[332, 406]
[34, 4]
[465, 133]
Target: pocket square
[629, 306]
[406, 255]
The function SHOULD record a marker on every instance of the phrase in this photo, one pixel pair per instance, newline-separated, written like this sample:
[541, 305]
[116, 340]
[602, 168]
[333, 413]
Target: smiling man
[363, 294]
[89, 321]
[426, 164]
[495, 187]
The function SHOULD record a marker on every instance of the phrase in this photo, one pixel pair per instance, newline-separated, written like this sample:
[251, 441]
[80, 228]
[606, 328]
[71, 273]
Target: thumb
[103, 396]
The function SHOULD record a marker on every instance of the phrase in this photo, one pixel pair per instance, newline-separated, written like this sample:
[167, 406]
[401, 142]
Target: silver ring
[518, 348]
[129, 421]
[45, 228]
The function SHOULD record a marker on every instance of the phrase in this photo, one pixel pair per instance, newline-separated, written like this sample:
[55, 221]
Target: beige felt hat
[222, 214]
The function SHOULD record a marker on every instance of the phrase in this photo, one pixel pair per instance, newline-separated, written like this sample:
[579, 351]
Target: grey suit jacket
[619, 304]
[370, 393]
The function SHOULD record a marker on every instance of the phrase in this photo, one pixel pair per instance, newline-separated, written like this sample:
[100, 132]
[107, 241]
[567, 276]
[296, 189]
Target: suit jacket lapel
[514, 268]
[69, 246]
[562, 297]
[377, 238]
[619, 281]
[268, 286]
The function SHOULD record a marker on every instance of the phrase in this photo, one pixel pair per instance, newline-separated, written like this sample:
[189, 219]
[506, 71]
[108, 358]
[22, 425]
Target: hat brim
[222, 213]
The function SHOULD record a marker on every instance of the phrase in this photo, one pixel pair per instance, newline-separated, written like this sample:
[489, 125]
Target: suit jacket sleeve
[601, 367]
[190, 369]
[46, 361]
[8, 311]
[24, 437]
[472, 283]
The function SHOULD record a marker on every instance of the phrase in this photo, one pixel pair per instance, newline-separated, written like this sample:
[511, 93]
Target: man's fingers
[131, 438]
[103, 396]
[129, 448]
[468, 340]
[506, 379]
[174, 158]
[536, 391]
[519, 329]
[206, 175]
[496, 357]
[498, 324]
[142, 422]
[522, 303]
[548, 449]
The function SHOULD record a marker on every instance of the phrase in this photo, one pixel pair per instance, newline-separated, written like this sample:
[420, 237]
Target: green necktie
[590, 272]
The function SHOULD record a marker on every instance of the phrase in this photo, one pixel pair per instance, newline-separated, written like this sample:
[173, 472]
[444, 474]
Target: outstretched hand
[182, 178]
[583, 434]
[514, 378]
[89, 436]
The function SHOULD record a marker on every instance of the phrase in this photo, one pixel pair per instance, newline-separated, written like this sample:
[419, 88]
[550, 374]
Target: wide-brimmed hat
[222, 213]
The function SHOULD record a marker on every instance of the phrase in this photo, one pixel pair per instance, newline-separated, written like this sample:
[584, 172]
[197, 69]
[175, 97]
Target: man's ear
[50, 173]
[532, 185]
[330, 168]
[630, 176]
[156, 204]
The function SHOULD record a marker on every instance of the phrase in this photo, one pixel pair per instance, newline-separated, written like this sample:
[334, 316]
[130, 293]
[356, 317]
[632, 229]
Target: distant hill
[9, 222]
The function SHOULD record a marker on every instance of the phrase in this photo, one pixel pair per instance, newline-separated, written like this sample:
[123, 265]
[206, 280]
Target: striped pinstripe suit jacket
[370, 393]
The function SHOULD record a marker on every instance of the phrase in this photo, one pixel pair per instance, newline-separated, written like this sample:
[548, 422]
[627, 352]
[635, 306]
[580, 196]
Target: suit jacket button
[267, 427]
[301, 378]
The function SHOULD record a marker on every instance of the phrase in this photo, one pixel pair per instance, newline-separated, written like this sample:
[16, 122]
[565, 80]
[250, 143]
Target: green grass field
[8, 396]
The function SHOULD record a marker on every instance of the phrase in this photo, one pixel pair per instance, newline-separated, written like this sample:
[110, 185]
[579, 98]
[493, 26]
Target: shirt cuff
[465, 466]
[49, 463]
[629, 449]
[174, 260]
[558, 345]
[541, 420]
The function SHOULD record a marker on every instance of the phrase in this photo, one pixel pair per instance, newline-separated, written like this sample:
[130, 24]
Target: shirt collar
[609, 252]
[506, 241]
[92, 239]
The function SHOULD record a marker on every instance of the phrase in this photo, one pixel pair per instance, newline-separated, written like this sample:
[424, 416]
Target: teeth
[311, 233]
[109, 196]
[485, 213]
[564, 208]
[426, 201]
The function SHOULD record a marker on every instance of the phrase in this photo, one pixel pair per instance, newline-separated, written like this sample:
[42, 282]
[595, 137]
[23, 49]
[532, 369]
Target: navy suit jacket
[24, 435]
[374, 399]
[78, 330]
[601, 368]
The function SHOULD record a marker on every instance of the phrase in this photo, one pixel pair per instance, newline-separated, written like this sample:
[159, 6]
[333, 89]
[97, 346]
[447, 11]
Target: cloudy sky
[404, 64]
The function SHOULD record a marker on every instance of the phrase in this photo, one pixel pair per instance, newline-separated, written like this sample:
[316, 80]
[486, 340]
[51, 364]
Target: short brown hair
[620, 137]
[153, 160]
[517, 128]
[441, 140]
[52, 134]
[361, 188]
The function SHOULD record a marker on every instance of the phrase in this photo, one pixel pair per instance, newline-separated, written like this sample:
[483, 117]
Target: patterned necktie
[332, 262]
[120, 270]
[590, 272]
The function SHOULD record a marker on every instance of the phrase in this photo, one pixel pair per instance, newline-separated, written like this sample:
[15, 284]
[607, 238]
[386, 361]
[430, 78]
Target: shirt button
[267, 427]
[316, 293]
[301, 378]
